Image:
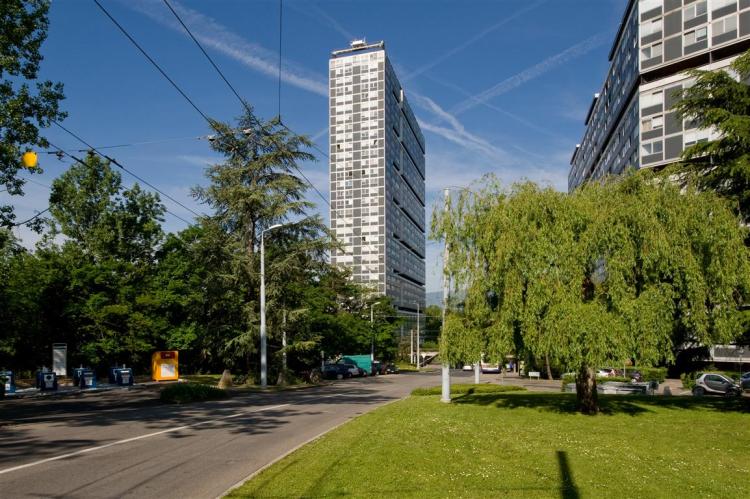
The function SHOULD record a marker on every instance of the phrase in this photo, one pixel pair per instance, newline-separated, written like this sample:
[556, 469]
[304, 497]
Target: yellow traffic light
[29, 159]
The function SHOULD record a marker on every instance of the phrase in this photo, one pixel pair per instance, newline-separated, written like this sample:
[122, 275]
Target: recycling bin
[46, 381]
[10, 381]
[124, 376]
[164, 366]
[86, 379]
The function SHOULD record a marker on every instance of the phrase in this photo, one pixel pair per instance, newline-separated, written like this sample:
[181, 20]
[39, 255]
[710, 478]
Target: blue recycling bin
[10, 381]
[46, 381]
[124, 376]
[86, 379]
[77, 371]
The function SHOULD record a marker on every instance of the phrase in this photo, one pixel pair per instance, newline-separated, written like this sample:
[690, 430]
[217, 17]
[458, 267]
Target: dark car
[715, 384]
[336, 371]
[745, 381]
[391, 369]
[377, 368]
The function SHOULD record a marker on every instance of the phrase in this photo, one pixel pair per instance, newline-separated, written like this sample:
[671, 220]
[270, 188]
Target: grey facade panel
[651, 110]
[696, 47]
[654, 61]
[725, 37]
[654, 37]
[672, 4]
[672, 48]
[696, 21]
[652, 134]
[724, 11]
[651, 14]
[672, 96]
[745, 23]
[673, 23]
[744, 4]
[672, 124]
[653, 158]
[673, 147]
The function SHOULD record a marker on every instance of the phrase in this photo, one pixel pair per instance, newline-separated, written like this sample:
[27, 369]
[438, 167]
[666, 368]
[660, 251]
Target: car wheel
[698, 391]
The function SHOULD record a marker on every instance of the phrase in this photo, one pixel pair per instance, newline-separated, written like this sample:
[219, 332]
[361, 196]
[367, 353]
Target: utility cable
[145, 54]
[216, 67]
[118, 164]
[32, 218]
[79, 160]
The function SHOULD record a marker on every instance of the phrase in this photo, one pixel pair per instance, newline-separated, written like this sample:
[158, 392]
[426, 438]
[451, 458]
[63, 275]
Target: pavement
[129, 444]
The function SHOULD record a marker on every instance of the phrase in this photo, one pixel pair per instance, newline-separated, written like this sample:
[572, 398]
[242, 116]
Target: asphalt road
[128, 444]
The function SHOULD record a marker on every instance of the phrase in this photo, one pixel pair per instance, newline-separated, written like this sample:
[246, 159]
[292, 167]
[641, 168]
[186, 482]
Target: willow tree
[626, 269]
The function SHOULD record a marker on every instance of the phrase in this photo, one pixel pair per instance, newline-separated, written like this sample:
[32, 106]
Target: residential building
[377, 176]
[631, 121]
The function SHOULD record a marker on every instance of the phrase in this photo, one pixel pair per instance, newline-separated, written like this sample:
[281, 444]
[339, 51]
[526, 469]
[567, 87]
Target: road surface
[128, 444]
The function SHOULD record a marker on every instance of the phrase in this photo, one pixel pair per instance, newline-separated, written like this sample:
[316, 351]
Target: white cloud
[472, 40]
[532, 72]
[215, 35]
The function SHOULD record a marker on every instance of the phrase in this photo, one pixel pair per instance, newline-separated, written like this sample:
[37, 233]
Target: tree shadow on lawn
[565, 403]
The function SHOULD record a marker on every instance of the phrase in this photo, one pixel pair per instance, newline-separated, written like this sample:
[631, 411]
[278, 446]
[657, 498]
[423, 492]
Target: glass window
[717, 4]
[695, 36]
[724, 25]
[652, 27]
[647, 5]
[651, 51]
[695, 10]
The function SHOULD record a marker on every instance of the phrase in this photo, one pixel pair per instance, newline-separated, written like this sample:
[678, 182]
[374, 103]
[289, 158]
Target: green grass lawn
[525, 445]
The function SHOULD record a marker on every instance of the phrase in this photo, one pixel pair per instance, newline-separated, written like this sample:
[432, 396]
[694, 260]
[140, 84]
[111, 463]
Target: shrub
[181, 393]
[461, 389]
[570, 378]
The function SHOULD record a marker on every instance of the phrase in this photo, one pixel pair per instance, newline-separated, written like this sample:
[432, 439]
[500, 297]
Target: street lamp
[263, 360]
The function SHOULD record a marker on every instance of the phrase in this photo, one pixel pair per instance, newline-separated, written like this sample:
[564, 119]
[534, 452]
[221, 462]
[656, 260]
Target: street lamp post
[263, 359]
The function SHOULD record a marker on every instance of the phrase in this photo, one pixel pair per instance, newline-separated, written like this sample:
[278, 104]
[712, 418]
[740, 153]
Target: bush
[652, 373]
[570, 378]
[181, 393]
[461, 389]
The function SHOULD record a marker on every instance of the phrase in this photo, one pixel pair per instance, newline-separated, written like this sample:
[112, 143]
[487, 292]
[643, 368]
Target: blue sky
[498, 86]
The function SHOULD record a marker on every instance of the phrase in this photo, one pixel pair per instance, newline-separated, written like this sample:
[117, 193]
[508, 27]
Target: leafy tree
[627, 269]
[23, 29]
[720, 100]
[255, 188]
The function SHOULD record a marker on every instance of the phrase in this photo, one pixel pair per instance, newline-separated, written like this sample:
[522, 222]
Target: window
[652, 148]
[695, 10]
[652, 99]
[695, 136]
[654, 123]
[717, 4]
[651, 27]
[695, 36]
[724, 25]
[651, 51]
[648, 5]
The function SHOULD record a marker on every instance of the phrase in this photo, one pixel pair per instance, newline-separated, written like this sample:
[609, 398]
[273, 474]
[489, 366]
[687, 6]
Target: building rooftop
[358, 46]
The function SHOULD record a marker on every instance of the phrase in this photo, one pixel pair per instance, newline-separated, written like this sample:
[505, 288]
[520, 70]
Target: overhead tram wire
[239, 98]
[79, 160]
[145, 54]
[119, 165]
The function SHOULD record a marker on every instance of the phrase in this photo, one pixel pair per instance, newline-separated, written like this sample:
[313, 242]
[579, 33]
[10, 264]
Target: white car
[468, 367]
[490, 368]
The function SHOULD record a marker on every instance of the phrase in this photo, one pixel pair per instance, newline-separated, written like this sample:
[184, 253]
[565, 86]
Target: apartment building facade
[631, 122]
[377, 176]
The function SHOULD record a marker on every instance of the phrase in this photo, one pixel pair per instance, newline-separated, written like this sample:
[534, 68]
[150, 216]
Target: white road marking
[133, 439]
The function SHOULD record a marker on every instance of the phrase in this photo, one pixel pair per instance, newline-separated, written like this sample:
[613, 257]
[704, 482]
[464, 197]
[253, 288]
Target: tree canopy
[625, 269]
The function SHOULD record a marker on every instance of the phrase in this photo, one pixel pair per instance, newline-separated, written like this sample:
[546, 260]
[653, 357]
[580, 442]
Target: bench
[534, 374]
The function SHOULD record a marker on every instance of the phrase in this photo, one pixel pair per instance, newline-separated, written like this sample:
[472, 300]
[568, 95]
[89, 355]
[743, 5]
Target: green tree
[23, 110]
[720, 100]
[111, 237]
[626, 269]
[256, 187]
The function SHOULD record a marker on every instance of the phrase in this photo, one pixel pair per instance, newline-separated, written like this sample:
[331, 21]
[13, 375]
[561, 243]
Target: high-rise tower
[377, 176]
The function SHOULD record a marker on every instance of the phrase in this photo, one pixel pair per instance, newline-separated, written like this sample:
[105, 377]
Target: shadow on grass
[565, 403]
[568, 489]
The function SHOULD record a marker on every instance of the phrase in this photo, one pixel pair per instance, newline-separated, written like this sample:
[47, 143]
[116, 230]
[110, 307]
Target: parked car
[336, 371]
[355, 370]
[715, 384]
[376, 368]
[606, 372]
[488, 368]
[468, 367]
[745, 381]
[391, 369]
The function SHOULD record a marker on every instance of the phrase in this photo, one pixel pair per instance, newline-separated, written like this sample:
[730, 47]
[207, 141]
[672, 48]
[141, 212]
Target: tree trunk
[586, 395]
[546, 362]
